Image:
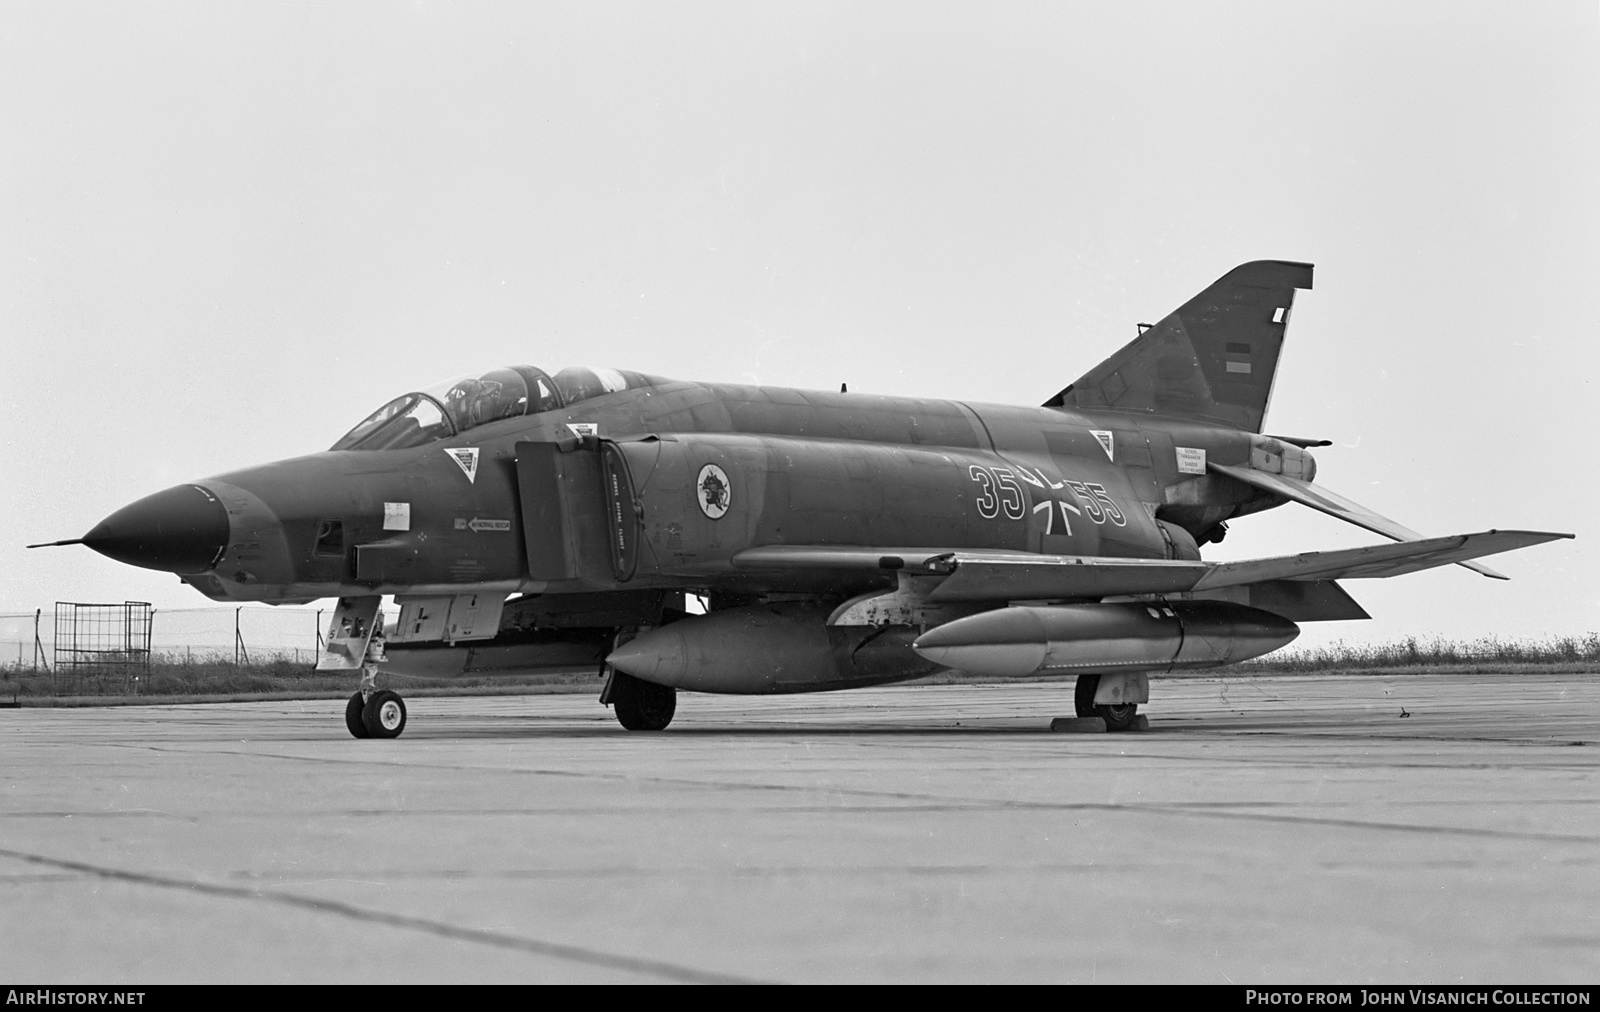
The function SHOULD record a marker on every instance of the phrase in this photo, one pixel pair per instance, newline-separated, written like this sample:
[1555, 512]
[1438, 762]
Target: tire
[352, 717]
[1120, 717]
[1083, 696]
[384, 715]
[642, 705]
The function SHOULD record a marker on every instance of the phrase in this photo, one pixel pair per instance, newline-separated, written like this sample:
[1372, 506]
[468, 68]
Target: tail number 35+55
[998, 492]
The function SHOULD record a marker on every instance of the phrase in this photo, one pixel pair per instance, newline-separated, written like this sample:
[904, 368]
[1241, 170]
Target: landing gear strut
[1118, 717]
[640, 705]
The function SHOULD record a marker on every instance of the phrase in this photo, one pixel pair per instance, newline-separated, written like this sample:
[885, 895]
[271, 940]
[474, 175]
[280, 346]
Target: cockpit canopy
[450, 408]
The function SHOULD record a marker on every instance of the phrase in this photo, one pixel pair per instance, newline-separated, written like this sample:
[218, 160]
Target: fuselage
[455, 514]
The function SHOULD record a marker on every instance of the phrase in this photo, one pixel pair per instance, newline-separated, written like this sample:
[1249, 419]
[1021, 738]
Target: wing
[1318, 498]
[1022, 576]
[1372, 561]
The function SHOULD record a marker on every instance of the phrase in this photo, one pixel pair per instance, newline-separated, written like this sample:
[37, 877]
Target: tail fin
[1213, 360]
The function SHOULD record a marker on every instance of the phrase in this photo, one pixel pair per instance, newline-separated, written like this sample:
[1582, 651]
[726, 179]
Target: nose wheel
[381, 714]
[352, 716]
[384, 715]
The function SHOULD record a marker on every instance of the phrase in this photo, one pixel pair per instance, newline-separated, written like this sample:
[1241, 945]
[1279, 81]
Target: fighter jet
[747, 539]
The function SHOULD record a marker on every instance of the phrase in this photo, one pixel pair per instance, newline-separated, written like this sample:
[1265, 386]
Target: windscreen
[456, 406]
[405, 421]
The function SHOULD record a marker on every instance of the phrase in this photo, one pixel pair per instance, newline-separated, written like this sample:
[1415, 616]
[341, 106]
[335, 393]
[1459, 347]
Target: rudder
[1212, 360]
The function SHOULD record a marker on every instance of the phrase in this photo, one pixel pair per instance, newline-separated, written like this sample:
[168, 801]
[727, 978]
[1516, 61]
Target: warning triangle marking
[466, 457]
[1107, 440]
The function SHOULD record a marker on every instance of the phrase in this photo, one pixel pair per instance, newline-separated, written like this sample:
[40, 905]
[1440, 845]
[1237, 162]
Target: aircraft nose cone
[181, 530]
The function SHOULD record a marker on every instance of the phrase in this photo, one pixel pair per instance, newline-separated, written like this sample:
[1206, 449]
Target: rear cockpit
[455, 406]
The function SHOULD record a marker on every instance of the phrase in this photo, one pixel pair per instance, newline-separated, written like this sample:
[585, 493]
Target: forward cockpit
[450, 408]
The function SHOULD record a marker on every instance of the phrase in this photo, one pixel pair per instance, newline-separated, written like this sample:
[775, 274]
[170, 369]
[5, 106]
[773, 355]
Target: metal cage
[98, 645]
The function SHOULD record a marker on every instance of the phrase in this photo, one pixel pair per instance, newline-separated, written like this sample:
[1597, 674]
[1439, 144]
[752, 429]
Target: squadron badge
[714, 491]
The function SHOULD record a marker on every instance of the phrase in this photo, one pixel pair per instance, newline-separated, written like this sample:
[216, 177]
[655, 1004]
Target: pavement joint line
[925, 799]
[1212, 810]
[103, 814]
[753, 871]
[623, 777]
[1215, 810]
[1503, 834]
[557, 950]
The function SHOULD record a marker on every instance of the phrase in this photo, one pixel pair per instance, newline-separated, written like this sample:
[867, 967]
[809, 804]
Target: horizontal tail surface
[1321, 499]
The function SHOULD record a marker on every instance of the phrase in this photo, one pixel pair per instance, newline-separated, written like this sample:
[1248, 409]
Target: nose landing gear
[373, 712]
[355, 640]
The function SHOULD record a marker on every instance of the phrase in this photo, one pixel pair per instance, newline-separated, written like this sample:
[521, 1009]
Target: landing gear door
[354, 622]
[438, 619]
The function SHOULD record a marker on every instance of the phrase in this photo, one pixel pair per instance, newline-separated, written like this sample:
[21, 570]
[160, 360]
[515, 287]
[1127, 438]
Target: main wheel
[642, 705]
[1083, 696]
[352, 716]
[1118, 717]
[384, 715]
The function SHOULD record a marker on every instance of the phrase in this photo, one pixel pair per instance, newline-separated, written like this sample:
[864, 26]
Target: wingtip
[1535, 538]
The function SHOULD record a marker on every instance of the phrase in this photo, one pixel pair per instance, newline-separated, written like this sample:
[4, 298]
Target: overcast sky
[229, 231]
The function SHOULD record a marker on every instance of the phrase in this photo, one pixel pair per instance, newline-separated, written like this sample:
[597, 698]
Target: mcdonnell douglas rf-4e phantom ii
[525, 520]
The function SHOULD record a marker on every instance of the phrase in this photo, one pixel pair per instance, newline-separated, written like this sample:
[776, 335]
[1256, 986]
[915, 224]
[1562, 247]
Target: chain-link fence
[248, 635]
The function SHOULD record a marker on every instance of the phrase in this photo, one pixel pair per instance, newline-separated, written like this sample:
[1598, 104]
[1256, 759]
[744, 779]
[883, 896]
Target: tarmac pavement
[1263, 830]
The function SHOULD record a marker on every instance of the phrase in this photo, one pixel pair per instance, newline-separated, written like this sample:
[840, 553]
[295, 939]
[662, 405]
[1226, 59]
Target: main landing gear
[1118, 717]
[638, 704]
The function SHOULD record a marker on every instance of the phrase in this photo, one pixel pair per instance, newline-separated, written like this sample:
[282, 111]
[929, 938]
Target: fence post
[238, 641]
[38, 644]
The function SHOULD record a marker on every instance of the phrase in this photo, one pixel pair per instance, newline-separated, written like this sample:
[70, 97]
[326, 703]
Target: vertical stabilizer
[1213, 360]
